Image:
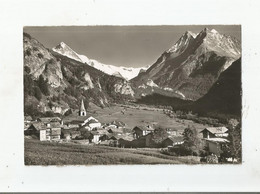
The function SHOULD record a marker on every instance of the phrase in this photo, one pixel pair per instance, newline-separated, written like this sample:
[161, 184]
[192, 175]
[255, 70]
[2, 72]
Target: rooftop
[218, 140]
[144, 128]
[216, 130]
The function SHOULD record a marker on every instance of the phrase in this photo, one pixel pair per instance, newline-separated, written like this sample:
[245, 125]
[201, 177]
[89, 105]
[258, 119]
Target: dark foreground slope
[225, 94]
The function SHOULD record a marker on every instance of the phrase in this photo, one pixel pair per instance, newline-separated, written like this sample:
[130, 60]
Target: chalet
[93, 123]
[116, 130]
[28, 119]
[49, 119]
[88, 119]
[212, 132]
[215, 145]
[96, 135]
[45, 131]
[172, 141]
[115, 124]
[140, 131]
[125, 141]
[171, 132]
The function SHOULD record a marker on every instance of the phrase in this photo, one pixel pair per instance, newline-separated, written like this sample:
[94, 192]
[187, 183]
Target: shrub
[51, 61]
[27, 35]
[68, 112]
[28, 52]
[212, 159]
[40, 55]
[27, 69]
[49, 114]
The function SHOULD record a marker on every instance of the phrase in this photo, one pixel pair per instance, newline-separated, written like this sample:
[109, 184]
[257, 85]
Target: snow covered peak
[220, 43]
[214, 31]
[122, 72]
[65, 50]
[63, 45]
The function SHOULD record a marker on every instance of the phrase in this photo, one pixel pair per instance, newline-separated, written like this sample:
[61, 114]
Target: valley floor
[53, 153]
[140, 115]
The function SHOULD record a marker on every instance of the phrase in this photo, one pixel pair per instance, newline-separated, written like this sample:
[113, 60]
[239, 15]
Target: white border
[15, 176]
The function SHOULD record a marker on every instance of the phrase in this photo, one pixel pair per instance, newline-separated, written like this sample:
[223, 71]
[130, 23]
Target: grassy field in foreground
[52, 153]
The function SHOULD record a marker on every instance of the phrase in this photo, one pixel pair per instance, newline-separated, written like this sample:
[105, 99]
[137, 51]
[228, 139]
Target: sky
[129, 46]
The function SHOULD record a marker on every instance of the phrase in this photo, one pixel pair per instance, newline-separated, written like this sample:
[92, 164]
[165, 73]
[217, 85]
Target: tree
[192, 144]
[43, 85]
[235, 146]
[159, 135]
[190, 136]
[68, 112]
[38, 93]
[31, 110]
[49, 114]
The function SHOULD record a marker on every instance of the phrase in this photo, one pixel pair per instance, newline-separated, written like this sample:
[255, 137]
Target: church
[82, 110]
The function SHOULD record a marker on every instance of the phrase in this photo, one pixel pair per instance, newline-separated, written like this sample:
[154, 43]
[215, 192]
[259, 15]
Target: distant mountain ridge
[225, 95]
[191, 66]
[123, 72]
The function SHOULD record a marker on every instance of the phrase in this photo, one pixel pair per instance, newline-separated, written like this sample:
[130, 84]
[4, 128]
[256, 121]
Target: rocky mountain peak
[182, 43]
[193, 63]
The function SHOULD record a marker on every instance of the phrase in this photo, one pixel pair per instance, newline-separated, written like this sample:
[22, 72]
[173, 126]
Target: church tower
[82, 110]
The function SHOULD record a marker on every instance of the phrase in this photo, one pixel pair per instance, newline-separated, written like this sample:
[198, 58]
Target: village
[87, 130]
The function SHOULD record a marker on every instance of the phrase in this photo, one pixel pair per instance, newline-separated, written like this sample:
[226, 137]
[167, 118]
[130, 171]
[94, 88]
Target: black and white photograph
[129, 96]
[97, 95]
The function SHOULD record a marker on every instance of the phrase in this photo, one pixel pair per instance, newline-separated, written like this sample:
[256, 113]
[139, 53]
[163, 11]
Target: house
[27, 122]
[212, 132]
[172, 141]
[96, 136]
[171, 132]
[116, 130]
[92, 123]
[28, 119]
[45, 131]
[85, 121]
[215, 145]
[115, 124]
[140, 131]
[49, 119]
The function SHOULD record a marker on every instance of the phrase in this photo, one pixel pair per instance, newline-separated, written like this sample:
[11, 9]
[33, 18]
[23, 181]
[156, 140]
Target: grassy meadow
[53, 153]
[141, 115]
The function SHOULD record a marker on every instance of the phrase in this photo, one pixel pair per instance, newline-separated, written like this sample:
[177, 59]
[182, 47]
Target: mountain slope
[56, 83]
[225, 94]
[123, 72]
[192, 65]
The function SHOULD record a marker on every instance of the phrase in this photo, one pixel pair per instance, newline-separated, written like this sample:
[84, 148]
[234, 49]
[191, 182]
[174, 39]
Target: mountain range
[56, 80]
[191, 66]
[122, 72]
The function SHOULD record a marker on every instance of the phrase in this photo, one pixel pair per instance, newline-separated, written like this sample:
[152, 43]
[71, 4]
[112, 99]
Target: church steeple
[82, 110]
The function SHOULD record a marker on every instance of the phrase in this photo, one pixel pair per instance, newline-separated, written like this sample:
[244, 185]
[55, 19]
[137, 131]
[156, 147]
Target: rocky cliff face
[192, 65]
[55, 83]
[41, 62]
